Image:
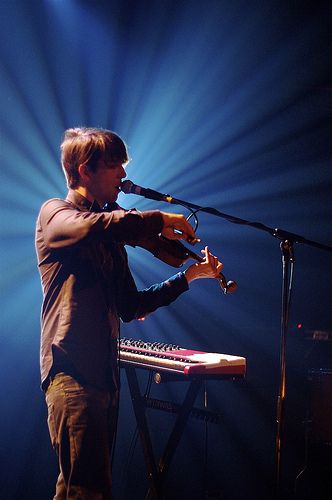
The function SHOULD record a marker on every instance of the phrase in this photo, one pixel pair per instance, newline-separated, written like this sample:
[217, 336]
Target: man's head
[86, 153]
[86, 146]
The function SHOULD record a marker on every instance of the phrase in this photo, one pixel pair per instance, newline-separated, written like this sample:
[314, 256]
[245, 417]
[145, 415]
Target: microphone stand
[287, 254]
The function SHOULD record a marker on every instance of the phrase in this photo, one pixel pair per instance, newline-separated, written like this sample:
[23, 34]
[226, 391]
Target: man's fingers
[213, 261]
[176, 226]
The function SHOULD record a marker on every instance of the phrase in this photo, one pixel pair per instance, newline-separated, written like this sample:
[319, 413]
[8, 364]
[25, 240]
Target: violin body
[172, 252]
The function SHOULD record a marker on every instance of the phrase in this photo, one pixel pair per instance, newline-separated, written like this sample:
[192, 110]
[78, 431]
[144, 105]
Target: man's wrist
[190, 273]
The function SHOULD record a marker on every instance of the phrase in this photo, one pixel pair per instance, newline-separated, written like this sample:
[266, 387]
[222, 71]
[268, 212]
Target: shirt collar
[81, 202]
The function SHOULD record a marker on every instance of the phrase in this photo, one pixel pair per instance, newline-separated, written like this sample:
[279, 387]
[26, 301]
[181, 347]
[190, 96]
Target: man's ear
[84, 173]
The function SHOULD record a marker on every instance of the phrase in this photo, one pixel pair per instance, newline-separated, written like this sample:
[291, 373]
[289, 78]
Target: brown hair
[84, 145]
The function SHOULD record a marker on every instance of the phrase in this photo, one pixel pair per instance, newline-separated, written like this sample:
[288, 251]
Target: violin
[173, 252]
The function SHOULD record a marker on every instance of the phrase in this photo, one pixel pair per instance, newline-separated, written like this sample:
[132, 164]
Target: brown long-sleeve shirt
[87, 284]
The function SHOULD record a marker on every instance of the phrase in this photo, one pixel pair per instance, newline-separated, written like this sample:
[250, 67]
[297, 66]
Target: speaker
[320, 406]
[315, 480]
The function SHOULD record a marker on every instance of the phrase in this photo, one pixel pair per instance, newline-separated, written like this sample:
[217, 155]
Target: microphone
[128, 187]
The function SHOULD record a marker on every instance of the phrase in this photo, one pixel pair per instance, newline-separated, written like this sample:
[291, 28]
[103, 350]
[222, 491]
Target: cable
[193, 214]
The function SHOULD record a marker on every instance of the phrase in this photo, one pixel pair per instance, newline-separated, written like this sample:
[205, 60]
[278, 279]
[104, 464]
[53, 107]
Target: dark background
[224, 104]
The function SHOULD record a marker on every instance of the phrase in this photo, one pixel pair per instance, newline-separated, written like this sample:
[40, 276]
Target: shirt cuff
[178, 283]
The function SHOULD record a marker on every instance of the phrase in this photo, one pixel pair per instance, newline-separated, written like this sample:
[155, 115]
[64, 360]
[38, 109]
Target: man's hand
[210, 267]
[176, 227]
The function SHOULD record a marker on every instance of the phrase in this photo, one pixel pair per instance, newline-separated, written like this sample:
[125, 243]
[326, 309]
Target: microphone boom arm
[129, 187]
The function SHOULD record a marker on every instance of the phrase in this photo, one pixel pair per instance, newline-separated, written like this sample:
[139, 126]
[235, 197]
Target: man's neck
[85, 192]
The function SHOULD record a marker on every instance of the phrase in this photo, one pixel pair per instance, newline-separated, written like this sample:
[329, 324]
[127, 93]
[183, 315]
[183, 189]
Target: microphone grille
[127, 186]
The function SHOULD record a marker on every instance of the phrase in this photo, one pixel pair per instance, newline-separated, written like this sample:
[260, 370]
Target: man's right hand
[176, 227]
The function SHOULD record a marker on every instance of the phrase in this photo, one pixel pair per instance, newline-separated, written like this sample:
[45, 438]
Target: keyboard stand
[157, 473]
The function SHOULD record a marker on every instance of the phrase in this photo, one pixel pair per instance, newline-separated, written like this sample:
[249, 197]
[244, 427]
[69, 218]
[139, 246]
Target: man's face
[105, 182]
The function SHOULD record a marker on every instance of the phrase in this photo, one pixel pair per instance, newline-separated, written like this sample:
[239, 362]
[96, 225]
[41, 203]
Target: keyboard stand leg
[156, 474]
[139, 410]
[179, 426]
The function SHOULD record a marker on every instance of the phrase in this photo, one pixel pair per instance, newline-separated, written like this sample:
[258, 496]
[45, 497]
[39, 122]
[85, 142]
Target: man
[87, 289]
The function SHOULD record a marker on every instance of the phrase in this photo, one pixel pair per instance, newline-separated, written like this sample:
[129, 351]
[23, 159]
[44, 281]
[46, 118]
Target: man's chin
[113, 197]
